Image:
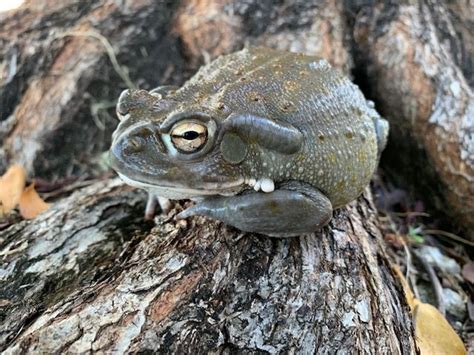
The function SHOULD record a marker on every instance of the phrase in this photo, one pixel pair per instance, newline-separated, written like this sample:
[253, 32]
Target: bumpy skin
[286, 118]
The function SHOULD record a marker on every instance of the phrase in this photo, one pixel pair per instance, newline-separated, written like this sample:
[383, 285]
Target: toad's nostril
[133, 145]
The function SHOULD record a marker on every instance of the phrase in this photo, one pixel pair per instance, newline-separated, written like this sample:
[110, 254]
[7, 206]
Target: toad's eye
[189, 137]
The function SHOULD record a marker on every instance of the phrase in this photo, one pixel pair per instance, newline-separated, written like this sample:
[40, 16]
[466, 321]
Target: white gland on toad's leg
[267, 185]
[252, 182]
[256, 187]
[263, 184]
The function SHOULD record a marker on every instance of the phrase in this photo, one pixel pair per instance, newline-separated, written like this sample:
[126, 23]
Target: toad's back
[339, 152]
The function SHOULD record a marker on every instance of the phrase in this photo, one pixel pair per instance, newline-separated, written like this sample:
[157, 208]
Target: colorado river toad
[264, 140]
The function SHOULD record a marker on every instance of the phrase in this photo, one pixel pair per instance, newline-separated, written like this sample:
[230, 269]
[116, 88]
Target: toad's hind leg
[291, 210]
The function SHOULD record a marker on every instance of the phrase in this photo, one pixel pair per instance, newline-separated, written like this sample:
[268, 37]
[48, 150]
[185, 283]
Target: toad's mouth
[175, 191]
[181, 189]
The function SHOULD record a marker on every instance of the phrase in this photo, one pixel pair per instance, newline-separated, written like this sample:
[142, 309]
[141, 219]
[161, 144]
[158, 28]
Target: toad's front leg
[291, 210]
[150, 209]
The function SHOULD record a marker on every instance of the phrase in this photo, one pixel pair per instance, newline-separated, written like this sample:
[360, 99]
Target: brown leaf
[12, 184]
[31, 204]
[395, 240]
[468, 272]
[434, 334]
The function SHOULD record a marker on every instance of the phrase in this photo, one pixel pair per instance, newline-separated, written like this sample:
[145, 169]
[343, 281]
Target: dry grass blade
[448, 235]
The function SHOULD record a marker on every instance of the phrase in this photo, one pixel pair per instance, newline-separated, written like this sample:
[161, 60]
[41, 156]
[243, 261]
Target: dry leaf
[12, 184]
[468, 272]
[434, 334]
[31, 204]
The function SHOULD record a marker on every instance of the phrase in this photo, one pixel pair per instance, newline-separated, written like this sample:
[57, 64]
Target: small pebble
[454, 303]
[438, 260]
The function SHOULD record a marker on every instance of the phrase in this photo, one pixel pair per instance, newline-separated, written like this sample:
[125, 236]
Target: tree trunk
[89, 274]
[60, 84]
[417, 70]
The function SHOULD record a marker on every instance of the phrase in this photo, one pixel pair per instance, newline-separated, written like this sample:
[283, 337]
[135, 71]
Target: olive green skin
[340, 146]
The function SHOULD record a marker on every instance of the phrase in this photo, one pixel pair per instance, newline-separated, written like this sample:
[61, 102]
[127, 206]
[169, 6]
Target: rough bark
[414, 57]
[59, 86]
[87, 276]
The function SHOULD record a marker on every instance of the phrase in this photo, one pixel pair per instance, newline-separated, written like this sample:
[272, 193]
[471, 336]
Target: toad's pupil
[190, 135]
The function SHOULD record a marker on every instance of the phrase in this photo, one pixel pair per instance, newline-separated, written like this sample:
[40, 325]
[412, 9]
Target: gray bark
[87, 275]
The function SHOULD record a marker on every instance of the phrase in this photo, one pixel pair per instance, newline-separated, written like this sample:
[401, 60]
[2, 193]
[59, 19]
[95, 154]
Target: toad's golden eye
[189, 137]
